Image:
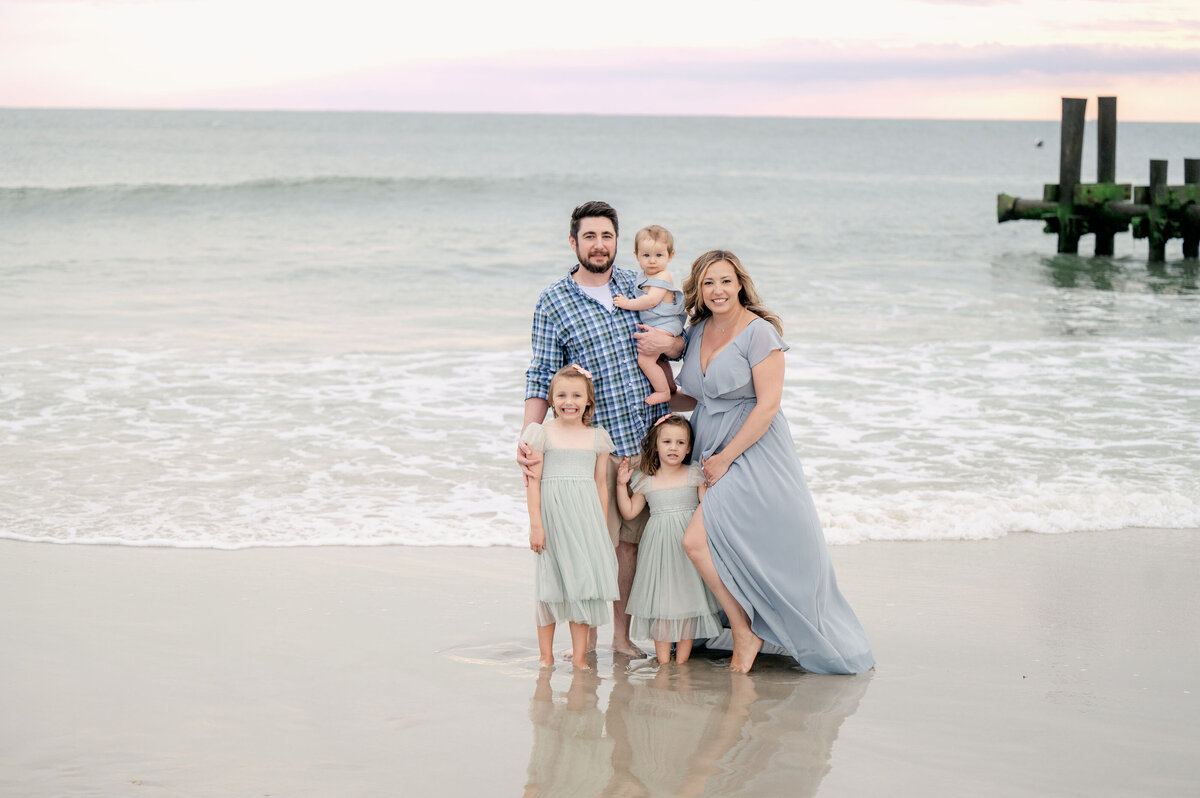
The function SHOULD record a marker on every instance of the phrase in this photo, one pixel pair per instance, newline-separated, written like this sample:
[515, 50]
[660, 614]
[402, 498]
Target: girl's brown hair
[651, 462]
[693, 302]
[574, 372]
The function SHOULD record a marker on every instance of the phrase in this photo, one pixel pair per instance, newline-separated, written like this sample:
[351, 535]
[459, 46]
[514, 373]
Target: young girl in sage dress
[575, 576]
[669, 601]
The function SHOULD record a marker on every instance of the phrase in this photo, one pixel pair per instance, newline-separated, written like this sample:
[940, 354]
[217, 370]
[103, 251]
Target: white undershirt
[600, 293]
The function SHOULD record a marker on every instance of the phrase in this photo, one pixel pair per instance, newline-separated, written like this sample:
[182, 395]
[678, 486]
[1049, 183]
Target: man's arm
[654, 342]
[535, 410]
[547, 359]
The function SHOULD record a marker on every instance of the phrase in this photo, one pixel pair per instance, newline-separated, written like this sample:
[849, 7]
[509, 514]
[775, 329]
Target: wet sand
[1030, 665]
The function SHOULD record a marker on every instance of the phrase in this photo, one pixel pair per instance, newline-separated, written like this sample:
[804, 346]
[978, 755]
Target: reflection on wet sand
[571, 755]
[686, 730]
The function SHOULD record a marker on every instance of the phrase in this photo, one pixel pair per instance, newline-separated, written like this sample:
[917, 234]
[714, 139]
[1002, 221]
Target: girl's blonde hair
[651, 462]
[576, 372]
[747, 296]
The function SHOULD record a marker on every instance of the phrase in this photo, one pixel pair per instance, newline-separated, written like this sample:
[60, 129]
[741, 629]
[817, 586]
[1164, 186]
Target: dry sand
[1032, 665]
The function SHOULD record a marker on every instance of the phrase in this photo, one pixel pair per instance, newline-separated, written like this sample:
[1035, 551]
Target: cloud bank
[800, 78]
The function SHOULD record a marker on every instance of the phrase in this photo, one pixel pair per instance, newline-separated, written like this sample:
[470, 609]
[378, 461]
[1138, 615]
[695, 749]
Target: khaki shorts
[618, 528]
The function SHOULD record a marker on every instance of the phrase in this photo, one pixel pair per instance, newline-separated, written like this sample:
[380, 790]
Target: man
[575, 321]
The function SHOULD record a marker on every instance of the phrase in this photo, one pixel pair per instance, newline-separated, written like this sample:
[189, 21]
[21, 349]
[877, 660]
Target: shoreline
[1026, 665]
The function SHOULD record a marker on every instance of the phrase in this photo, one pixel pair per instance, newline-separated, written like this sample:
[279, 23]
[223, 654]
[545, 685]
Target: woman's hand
[537, 540]
[624, 471]
[714, 468]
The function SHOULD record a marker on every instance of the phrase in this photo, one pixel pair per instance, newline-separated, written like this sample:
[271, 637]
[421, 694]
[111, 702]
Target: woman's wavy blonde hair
[748, 297]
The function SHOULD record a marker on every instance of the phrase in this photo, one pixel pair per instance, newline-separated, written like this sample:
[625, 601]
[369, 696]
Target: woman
[756, 539]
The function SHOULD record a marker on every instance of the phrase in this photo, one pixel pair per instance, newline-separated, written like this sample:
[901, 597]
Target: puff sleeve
[604, 442]
[763, 341]
[535, 435]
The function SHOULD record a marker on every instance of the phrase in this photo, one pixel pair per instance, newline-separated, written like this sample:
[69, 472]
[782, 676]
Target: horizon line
[1091, 117]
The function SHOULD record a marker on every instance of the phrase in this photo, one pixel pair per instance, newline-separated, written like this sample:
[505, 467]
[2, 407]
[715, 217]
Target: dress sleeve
[639, 482]
[763, 341]
[535, 435]
[695, 476]
[604, 442]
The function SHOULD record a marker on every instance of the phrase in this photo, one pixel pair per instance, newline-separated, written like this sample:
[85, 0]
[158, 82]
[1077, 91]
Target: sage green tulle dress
[575, 576]
[669, 601]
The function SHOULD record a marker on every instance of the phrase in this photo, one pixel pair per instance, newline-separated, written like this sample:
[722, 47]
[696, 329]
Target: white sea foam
[949, 441]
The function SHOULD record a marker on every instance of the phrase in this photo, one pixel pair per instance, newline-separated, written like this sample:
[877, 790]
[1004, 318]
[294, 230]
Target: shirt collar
[612, 274]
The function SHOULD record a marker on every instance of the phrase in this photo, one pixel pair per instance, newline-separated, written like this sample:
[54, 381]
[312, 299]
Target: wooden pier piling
[1072, 209]
[1106, 166]
[1070, 167]
[1156, 230]
[1191, 224]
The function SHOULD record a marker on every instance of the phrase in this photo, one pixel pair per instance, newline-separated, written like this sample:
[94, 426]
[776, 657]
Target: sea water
[257, 329]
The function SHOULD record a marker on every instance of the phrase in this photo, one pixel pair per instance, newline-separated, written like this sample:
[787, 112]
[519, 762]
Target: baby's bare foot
[658, 397]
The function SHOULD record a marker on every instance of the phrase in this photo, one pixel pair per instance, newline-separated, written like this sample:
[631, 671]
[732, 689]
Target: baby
[660, 305]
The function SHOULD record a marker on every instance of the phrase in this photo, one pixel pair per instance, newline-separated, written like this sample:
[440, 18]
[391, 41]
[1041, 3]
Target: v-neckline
[729, 343]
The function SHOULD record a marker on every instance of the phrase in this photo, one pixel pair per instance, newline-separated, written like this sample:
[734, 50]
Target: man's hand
[654, 342]
[526, 459]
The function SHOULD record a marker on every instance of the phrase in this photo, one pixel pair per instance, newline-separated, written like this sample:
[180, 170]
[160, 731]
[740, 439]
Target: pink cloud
[805, 77]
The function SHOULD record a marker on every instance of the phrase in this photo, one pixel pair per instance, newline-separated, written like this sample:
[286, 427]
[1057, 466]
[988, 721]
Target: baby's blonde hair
[574, 372]
[655, 232]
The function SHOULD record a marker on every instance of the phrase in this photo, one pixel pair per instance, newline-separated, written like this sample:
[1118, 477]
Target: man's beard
[586, 263]
[596, 269]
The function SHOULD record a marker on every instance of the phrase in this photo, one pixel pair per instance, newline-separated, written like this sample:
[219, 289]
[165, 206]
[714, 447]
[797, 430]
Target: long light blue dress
[763, 529]
[575, 576]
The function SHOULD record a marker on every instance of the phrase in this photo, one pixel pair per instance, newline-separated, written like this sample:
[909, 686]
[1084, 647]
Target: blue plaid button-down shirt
[571, 327]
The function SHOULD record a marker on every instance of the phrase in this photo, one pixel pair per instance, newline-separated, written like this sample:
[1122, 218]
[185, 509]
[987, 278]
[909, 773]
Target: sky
[942, 59]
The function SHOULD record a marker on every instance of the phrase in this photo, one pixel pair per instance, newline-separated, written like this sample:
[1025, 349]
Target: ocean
[235, 329]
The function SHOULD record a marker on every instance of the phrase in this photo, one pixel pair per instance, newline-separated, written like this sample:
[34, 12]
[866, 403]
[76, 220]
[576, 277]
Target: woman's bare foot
[746, 646]
[581, 663]
[658, 397]
[546, 661]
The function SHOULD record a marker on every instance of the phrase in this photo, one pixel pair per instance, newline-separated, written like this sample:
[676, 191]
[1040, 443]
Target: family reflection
[687, 730]
[571, 755]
